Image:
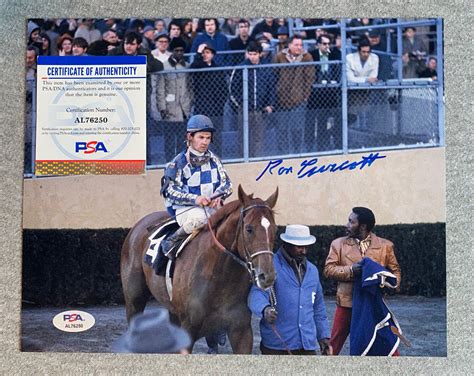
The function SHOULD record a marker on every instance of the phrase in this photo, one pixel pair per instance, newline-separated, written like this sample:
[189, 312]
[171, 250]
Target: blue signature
[309, 168]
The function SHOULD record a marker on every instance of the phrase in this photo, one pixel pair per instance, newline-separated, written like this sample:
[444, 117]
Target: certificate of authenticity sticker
[91, 115]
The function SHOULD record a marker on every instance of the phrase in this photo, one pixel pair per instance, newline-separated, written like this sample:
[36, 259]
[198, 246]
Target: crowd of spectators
[99, 36]
[172, 44]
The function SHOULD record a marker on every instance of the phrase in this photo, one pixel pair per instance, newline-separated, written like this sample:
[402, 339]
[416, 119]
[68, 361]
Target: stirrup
[170, 244]
[171, 254]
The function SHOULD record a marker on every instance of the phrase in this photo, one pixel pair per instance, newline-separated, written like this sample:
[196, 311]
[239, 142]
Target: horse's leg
[135, 290]
[191, 346]
[136, 294]
[193, 333]
[192, 327]
[174, 319]
[241, 335]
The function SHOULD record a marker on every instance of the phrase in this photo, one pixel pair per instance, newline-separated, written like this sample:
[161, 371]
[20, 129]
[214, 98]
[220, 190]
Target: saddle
[154, 255]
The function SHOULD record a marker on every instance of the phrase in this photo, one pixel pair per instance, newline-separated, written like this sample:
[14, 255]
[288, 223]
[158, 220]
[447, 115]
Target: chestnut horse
[210, 287]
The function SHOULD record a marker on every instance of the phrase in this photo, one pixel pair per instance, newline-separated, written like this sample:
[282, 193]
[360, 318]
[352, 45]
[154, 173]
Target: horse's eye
[249, 229]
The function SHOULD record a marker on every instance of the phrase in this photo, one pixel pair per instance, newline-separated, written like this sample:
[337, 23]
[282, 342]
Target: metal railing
[289, 110]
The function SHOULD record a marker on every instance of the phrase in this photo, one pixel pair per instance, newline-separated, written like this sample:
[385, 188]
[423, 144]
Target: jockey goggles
[199, 160]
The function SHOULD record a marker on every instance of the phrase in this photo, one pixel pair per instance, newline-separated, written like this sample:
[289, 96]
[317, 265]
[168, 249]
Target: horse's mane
[223, 213]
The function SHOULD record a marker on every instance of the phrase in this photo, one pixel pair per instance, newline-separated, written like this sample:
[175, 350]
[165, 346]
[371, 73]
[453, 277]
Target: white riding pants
[192, 219]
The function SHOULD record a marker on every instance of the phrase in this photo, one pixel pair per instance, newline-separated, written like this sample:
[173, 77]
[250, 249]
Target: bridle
[247, 262]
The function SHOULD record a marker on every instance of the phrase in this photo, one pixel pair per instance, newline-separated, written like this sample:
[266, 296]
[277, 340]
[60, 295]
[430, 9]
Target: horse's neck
[233, 279]
[233, 272]
[220, 266]
[227, 232]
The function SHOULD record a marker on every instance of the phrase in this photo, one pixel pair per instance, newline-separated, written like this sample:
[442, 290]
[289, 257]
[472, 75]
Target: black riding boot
[168, 244]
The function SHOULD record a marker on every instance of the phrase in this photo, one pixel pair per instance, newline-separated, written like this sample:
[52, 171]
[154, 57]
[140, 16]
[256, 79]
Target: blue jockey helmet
[200, 123]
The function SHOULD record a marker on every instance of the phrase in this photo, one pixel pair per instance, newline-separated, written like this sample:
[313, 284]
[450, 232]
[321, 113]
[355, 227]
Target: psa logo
[73, 317]
[73, 321]
[90, 147]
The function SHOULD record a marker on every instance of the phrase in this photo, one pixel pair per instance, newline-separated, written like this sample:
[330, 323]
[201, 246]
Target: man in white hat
[293, 314]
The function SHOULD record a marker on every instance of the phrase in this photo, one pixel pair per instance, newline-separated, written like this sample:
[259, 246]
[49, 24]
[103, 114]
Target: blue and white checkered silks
[188, 182]
[203, 180]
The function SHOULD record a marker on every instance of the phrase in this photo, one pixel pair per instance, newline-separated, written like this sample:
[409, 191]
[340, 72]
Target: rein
[273, 303]
[247, 263]
[221, 247]
[192, 207]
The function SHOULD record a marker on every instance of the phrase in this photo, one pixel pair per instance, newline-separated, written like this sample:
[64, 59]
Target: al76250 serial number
[95, 120]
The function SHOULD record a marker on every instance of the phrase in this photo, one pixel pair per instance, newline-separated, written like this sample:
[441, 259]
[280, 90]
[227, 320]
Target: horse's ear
[271, 201]
[243, 198]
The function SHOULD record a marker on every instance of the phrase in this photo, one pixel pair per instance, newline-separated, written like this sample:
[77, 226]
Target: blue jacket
[219, 43]
[261, 87]
[302, 318]
[371, 318]
[210, 88]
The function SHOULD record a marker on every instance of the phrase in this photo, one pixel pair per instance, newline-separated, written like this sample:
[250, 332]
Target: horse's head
[256, 236]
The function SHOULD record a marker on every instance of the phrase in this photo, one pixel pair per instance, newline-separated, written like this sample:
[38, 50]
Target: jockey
[192, 180]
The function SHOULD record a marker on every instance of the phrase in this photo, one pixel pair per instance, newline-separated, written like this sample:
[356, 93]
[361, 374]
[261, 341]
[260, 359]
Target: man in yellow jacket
[343, 263]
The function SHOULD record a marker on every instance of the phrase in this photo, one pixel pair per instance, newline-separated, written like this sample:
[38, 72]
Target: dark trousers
[341, 327]
[290, 129]
[257, 125]
[267, 351]
[328, 129]
[259, 121]
[212, 343]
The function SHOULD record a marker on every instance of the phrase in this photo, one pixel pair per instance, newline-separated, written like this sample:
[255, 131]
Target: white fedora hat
[297, 235]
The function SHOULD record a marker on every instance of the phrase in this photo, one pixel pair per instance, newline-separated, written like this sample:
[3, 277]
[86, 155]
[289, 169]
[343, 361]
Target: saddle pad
[185, 242]
[155, 240]
[170, 270]
[154, 247]
[157, 237]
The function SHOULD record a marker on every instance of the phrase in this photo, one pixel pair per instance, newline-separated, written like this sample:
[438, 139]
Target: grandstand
[397, 111]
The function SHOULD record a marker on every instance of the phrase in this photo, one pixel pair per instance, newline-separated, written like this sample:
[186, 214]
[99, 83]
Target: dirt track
[423, 321]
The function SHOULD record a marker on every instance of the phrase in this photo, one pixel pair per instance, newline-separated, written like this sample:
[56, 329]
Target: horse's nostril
[262, 277]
